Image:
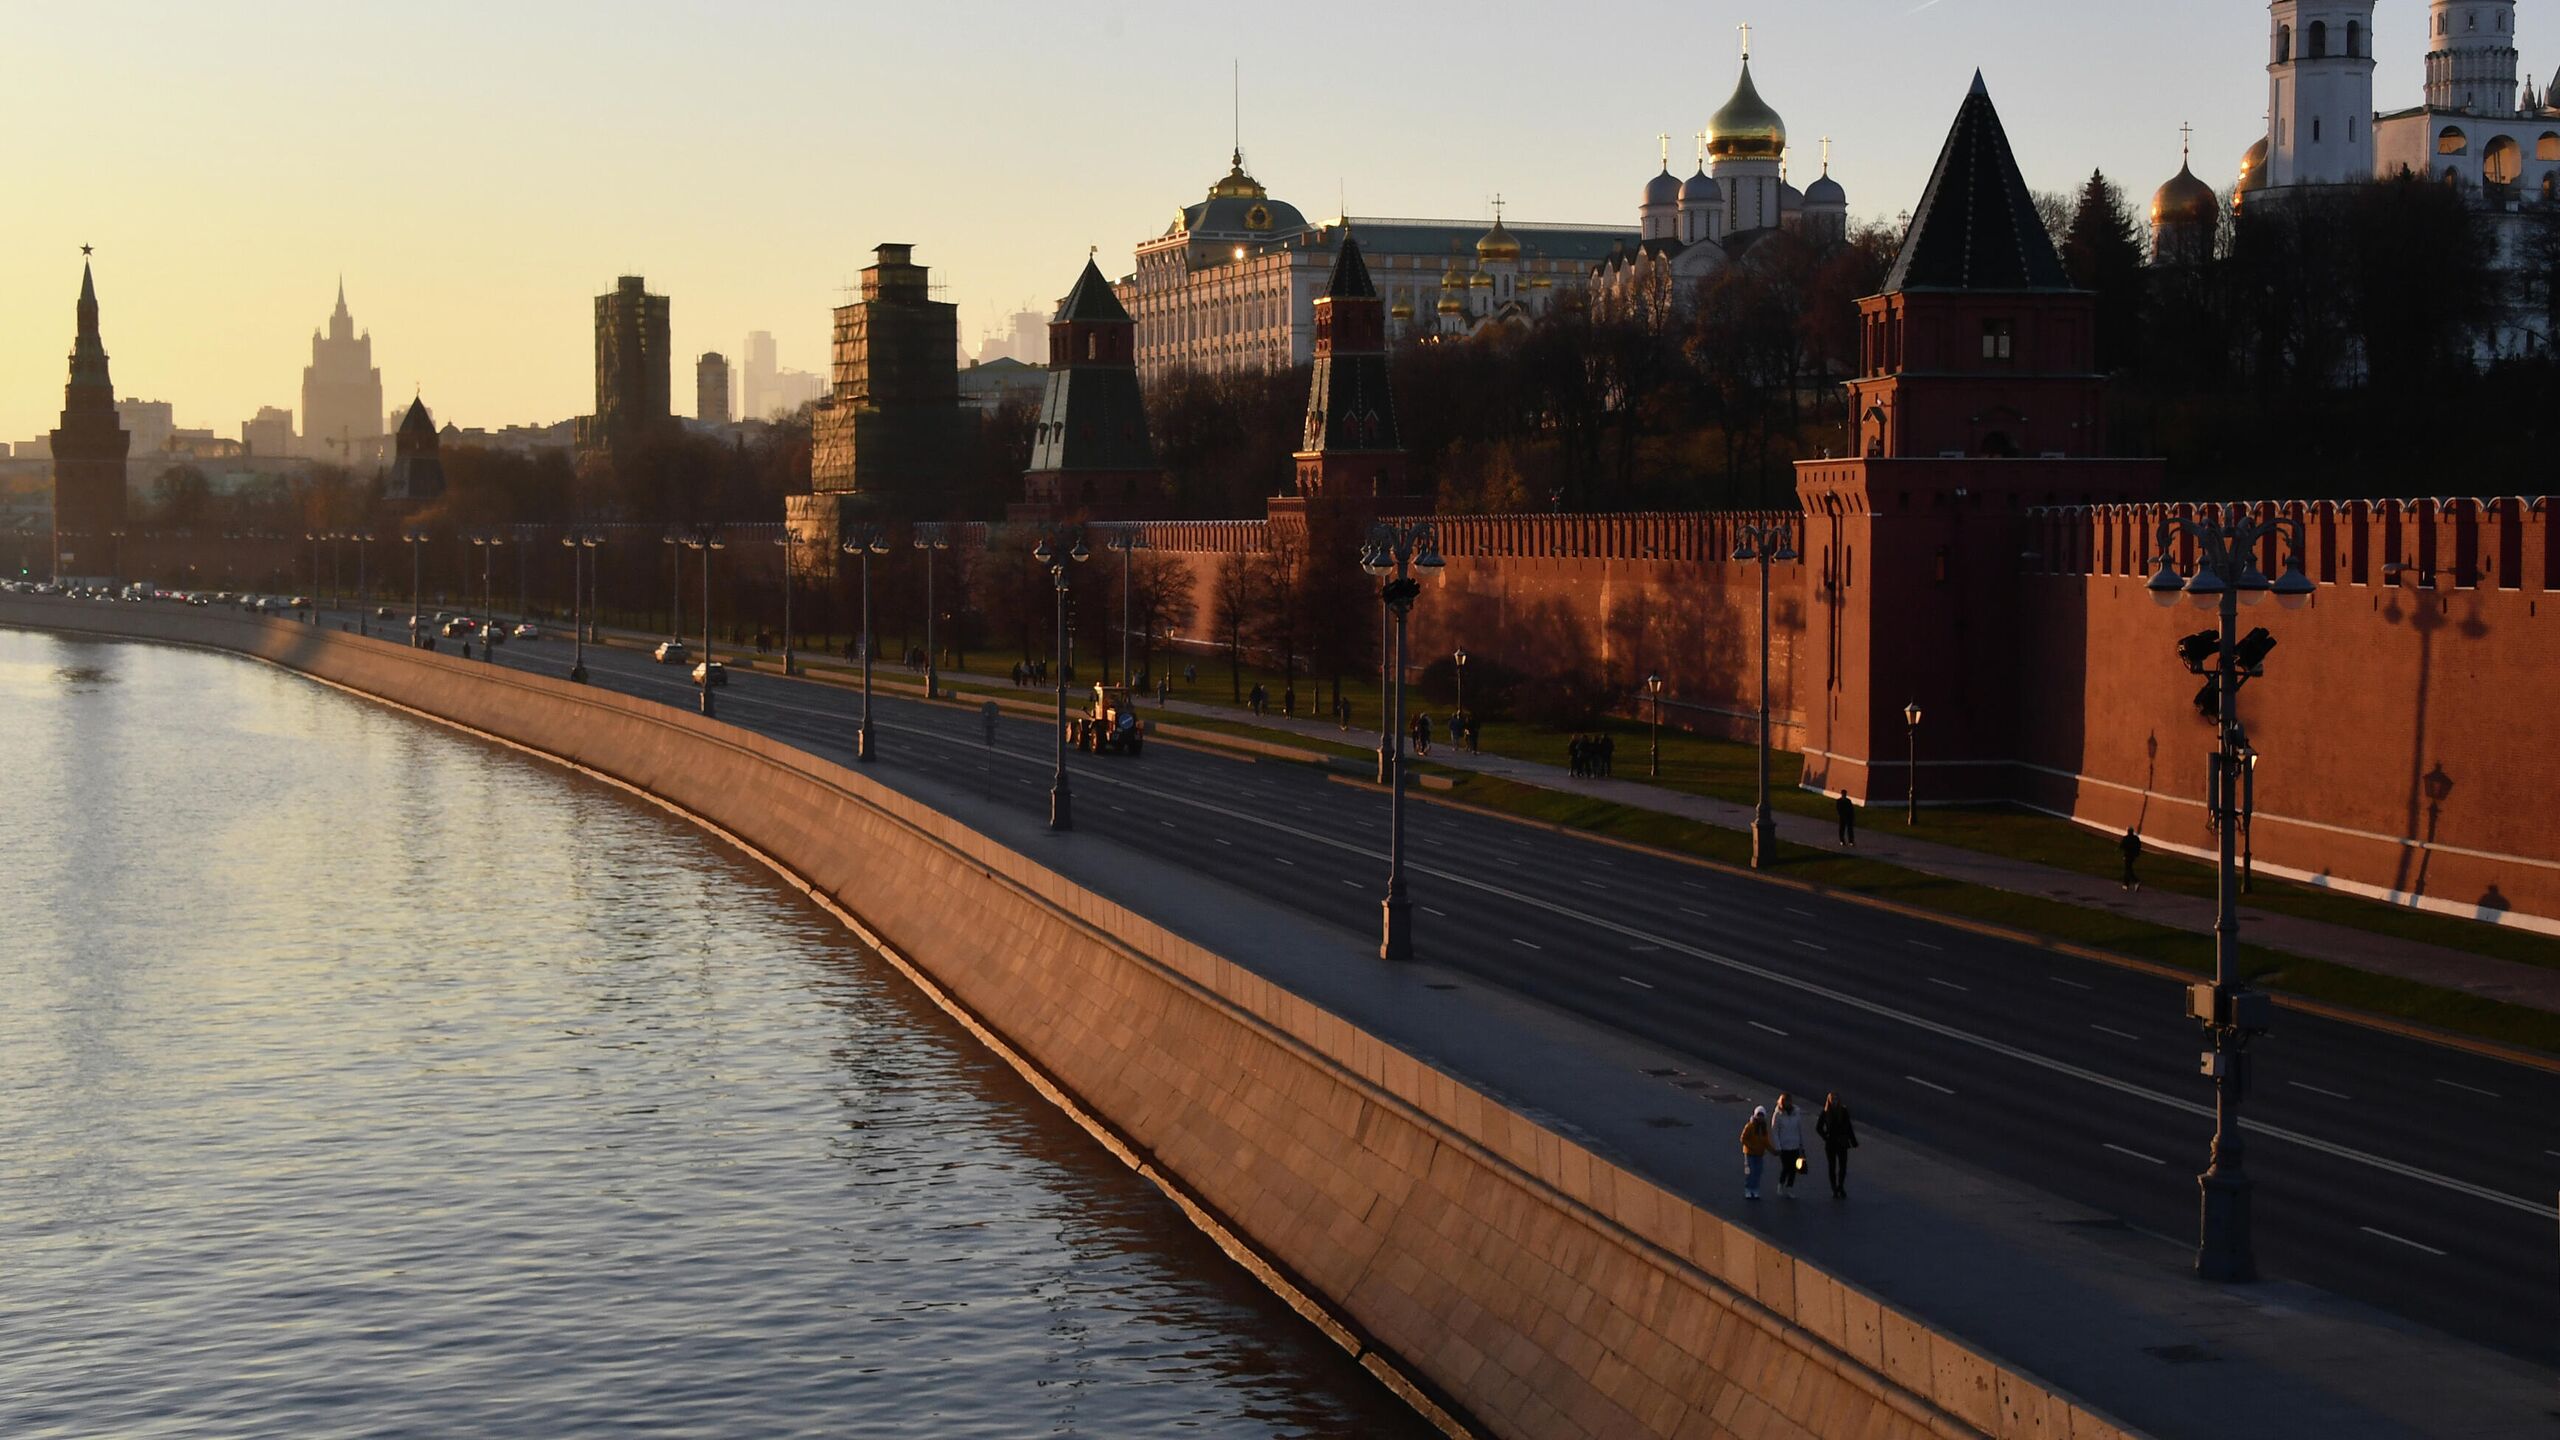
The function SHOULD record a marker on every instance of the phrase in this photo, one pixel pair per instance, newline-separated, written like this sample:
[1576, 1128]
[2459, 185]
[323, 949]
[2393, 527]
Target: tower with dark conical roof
[1353, 450]
[417, 459]
[1977, 396]
[1091, 455]
[88, 458]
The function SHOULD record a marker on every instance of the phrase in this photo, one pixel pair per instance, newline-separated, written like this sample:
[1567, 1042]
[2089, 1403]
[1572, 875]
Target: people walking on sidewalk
[1848, 819]
[2131, 845]
[1342, 711]
[1578, 750]
[1755, 1150]
[1786, 1136]
[1839, 1137]
[1422, 734]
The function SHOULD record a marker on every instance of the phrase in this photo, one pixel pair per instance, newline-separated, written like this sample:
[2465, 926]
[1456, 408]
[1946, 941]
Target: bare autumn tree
[1234, 602]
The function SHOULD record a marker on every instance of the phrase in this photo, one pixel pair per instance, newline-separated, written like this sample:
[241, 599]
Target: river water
[357, 1078]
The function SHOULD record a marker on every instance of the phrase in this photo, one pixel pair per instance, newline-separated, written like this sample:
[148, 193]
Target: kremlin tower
[88, 458]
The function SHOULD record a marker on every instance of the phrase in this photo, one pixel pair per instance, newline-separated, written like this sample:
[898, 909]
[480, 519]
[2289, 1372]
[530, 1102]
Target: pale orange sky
[480, 171]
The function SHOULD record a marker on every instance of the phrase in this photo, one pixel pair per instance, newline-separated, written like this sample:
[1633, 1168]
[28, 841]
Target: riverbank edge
[1500, 1277]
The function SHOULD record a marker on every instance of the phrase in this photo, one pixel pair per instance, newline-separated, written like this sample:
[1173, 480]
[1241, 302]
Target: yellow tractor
[1110, 724]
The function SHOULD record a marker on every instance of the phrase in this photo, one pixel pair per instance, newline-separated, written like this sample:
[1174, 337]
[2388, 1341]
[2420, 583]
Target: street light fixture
[1395, 550]
[929, 538]
[1060, 548]
[1458, 662]
[363, 591]
[706, 540]
[1128, 540]
[578, 545]
[789, 666]
[415, 538]
[675, 584]
[488, 541]
[1653, 756]
[1766, 544]
[2224, 577]
[865, 540]
[1911, 766]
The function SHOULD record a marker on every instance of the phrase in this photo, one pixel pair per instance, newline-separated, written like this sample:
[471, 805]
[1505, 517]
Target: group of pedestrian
[1030, 672]
[1420, 732]
[1781, 1132]
[1595, 757]
[1258, 699]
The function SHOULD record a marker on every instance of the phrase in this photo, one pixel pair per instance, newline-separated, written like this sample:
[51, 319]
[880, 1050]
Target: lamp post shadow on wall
[865, 540]
[1060, 549]
[2225, 576]
[1766, 544]
[1395, 550]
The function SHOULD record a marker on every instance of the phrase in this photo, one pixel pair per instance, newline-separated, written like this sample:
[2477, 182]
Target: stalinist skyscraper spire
[341, 391]
[88, 457]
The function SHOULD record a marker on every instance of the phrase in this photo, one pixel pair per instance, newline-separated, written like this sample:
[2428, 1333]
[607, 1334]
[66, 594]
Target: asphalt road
[2415, 1177]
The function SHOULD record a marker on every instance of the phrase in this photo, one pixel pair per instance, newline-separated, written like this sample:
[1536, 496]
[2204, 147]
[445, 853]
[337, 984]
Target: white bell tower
[2471, 56]
[2320, 92]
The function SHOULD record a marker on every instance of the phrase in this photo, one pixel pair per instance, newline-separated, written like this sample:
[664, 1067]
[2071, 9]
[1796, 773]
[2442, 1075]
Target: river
[360, 1078]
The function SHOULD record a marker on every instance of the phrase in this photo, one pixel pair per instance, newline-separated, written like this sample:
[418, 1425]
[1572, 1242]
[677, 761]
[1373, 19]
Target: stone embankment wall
[1484, 1264]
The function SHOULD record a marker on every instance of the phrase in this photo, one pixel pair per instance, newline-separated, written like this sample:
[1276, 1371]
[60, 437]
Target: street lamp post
[865, 540]
[1458, 662]
[2224, 577]
[706, 540]
[789, 667]
[311, 612]
[1911, 765]
[1061, 547]
[1128, 541]
[363, 542]
[1653, 754]
[579, 544]
[1395, 550]
[416, 538]
[1765, 544]
[675, 585]
[929, 538]
[2248, 815]
[488, 541]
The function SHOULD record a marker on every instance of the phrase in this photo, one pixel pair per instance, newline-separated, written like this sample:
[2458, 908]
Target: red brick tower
[1091, 455]
[1978, 396]
[88, 458]
[1353, 452]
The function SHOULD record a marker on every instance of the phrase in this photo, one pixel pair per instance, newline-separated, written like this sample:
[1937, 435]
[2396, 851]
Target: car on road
[710, 672]
[381, 612]
[528, 631]
[460, 627]
[299, 602]
[671, 652]
[1109, 725]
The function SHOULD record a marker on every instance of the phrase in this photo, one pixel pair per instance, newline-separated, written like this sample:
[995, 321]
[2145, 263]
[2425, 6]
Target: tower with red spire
[88, 458]
[1352, 451]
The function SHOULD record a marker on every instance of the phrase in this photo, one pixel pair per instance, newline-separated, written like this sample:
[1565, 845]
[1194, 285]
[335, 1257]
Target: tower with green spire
[88, 457]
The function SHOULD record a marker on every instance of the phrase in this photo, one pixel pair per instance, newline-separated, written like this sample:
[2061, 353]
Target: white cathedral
[1689, 229]
[2480, 129]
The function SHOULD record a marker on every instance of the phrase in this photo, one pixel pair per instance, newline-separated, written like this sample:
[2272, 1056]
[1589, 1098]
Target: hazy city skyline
[517, 159]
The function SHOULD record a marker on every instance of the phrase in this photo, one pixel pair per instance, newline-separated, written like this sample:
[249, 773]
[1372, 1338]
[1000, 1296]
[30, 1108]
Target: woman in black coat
[1839, 1137]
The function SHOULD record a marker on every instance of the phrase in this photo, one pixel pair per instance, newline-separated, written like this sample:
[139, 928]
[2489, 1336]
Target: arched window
[2355, 40]
[2548, 147]
[2316, 43]
[2502, 161]
[2451, 141]
[2284, 43]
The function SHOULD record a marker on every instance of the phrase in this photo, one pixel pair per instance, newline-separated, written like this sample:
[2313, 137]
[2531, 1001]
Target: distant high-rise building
[341, 391]
[417, 462]
[764, 387]
[711, 388]
[150, 424]
[88, 458]
[269, 433]
[634, 391]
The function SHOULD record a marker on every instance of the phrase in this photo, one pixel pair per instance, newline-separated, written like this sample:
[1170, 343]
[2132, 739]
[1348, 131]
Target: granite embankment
[1507, 1279]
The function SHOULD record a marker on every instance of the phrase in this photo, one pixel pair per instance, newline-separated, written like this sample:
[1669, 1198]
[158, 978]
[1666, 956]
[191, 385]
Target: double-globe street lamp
[706, 539]
[580, 565]
[1653, 752]
[930, 537]
[414, 539]
[1395, 550]
[1767, 544]
[783, 540]
[488, 542]
[1061, 548]
[1128, 540]
[2225, 576]
[865, 539]
[1911, 764]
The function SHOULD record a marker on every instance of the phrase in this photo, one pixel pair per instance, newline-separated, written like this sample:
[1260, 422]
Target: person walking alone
[1755, 1150]
[1786, 1136]
[1839, 1137]
[2131, 845]
[1848, 819]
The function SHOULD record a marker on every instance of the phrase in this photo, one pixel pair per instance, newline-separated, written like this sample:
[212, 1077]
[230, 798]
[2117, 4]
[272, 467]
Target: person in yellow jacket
[1755, 1150]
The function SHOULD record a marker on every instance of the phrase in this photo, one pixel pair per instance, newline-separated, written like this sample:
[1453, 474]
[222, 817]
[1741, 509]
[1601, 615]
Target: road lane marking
[1794, 911]
[1169, 825]
[2111, 1030]
[1221, 841]
[2400, 1240]
[1950, 984]
[1772, 1029]
[1630, 979]
[2136, 1154]
[1593, 885]
[2074, 984]
[2474, 1089]
[1932, 1084]
[1285, 860]
[1701, 914]
[1427, 910]
[1809, 945]
[1529, 944]
[2540, 1208]
[1356, 885]
[1925, 945]
[1507, 860]
[2316, 1090]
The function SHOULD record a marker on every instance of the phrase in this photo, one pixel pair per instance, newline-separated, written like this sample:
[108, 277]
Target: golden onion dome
[1480, 281]
[2185, 200]
[2253, 174]
[1498, 244]
[1746, 128]
[1450, 304]
[1401, 310]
